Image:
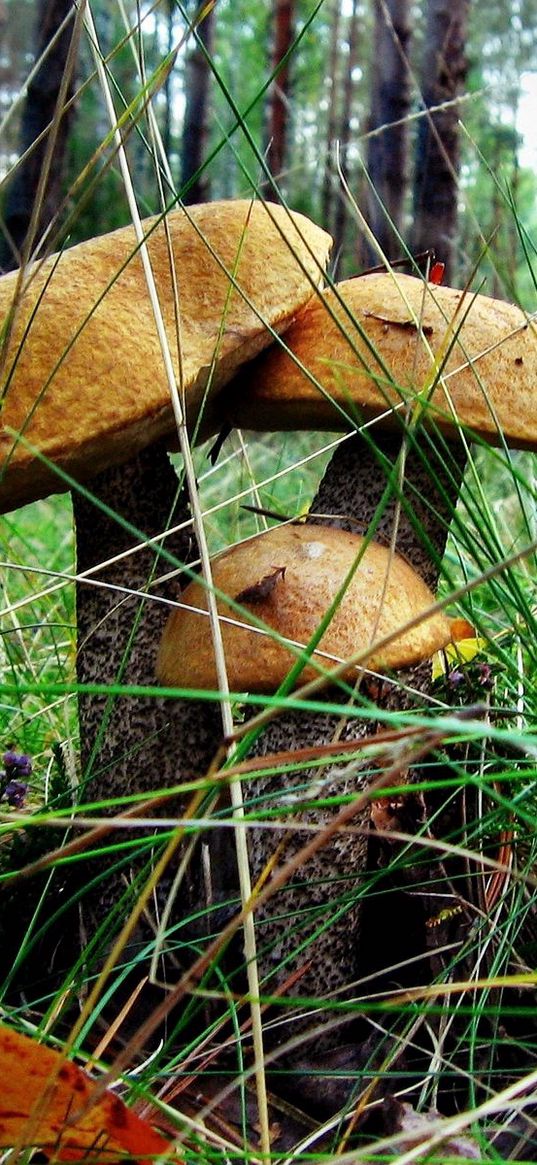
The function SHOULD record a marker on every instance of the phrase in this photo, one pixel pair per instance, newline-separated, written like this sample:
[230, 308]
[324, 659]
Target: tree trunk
[437, 148]
[390, 104]
[327, 192]
[168, 89]
[35, 192]
[279, 99]
[195, 125]
[345, 128]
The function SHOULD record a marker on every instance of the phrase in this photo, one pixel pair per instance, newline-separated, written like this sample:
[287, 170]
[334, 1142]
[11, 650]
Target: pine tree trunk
[195, 126]
[168, 92]
[390, 105]
[344, 135]
[327, 192]
[437, 148]
[35, 193]
[279, 101]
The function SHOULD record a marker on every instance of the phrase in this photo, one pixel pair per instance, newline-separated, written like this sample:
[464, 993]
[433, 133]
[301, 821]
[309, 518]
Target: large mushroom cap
[379, 340]
[288, 579]
[82, 371]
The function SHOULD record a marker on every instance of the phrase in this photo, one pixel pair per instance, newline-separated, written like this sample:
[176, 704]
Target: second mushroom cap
[288, 578]
[378, 343]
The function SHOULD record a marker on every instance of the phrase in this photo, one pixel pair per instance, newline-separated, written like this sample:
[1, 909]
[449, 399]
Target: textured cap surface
[82, 371]
[288, 579]
[397, 336]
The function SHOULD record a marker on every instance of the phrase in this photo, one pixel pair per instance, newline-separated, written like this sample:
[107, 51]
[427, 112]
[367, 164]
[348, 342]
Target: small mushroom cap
[467, 354]
[288, 578]
[83, 376]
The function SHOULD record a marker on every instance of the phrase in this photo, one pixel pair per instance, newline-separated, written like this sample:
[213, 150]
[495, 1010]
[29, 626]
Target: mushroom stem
[326, 893]
[133, 744]
[422, 505]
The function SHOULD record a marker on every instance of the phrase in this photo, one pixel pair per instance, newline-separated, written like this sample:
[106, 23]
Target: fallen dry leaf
[462, 629]
[401, 1117]
[47, 1101]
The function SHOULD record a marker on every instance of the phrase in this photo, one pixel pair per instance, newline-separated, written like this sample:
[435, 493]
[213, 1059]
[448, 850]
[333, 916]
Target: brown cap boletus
[381, 341]
[82, 374]
[288, 578]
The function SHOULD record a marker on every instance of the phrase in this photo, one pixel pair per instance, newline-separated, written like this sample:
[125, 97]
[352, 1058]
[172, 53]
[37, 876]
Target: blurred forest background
[415, 105]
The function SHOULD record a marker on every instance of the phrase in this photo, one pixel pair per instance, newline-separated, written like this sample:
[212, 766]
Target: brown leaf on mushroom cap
[384, 594]
[379, 340]
[83, 376]
[259, 591]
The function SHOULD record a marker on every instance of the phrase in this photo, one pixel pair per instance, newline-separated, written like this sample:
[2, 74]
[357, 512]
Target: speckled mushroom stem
[133, 744]
[329, 886]
[355, 480]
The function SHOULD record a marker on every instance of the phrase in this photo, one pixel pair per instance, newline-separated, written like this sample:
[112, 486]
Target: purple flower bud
[15, 793]
[485, 675]
[17, 763]
[455, 678]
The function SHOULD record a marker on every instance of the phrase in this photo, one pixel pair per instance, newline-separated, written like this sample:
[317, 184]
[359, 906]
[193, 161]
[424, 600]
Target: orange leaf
[48, 1101]
[462, 629]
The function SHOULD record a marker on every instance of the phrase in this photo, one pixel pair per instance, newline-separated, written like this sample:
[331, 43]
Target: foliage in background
[328, 96]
